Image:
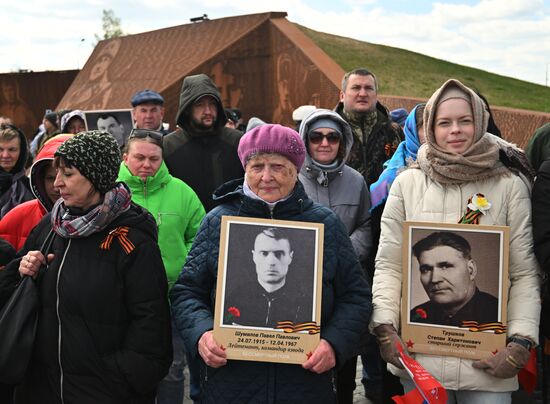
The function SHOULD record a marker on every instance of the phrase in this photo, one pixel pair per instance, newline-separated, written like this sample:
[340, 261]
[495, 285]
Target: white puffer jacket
[414, 196]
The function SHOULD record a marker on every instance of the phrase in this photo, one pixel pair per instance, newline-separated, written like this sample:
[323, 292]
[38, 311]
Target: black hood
[194, 87]
[23, 154]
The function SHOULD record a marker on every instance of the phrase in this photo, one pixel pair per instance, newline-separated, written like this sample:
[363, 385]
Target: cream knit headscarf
[479, 161]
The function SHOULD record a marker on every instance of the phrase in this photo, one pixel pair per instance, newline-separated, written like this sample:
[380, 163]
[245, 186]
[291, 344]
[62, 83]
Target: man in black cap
[148, 111]
[202, 152]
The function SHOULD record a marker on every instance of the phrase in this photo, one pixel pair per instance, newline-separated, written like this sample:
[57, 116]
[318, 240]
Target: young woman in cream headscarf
[459, 160]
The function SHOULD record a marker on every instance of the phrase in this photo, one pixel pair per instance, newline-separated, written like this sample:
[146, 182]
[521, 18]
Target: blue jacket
[346, 303]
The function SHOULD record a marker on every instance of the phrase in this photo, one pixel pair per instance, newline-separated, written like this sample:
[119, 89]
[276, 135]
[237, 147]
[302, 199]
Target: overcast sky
[508, 37]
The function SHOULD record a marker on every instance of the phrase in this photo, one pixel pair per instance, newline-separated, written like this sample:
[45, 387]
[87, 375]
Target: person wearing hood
[458, 162]
[103, 330]
[73, 122]
[18, 223]
[14, 184]
[401, 159]
[202, 152]
[272, 156]
[330, 182]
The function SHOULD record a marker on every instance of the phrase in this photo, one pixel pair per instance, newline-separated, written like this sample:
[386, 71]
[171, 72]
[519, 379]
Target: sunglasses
[317, 138]
[144, 133]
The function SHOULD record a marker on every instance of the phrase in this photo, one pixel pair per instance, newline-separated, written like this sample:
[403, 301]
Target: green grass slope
[409, 74]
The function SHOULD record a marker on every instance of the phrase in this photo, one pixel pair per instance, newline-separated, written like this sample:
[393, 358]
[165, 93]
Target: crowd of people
[122, 236]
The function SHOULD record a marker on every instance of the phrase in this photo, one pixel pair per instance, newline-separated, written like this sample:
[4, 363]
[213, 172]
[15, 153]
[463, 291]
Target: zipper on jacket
[59, 322]
[144, 190]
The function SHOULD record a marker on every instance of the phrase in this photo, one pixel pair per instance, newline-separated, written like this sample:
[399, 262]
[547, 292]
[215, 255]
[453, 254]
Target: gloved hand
[506, 363]
[387, 338]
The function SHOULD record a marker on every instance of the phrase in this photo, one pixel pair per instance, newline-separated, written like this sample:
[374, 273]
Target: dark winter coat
[203, 160]
[346, 304]
[104, 323]
[541, 237]
[14, 185]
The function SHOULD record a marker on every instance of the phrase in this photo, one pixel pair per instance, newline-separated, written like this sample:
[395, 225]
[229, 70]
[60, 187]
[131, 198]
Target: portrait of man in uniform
[272, 288]
[448, 274]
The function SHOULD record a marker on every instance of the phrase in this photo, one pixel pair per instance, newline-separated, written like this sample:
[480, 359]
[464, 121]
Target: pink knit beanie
[273, 138]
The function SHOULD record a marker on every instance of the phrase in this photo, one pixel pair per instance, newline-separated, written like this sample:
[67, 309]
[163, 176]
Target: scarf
[68, 225]
[479, 162]
[362, 123]
[405, 153]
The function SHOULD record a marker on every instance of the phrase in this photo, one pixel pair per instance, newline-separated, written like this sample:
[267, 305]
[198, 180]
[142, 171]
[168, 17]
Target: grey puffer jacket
[342, 189]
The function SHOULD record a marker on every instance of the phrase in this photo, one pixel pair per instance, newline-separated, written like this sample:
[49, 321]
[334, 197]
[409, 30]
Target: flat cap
[145, 96]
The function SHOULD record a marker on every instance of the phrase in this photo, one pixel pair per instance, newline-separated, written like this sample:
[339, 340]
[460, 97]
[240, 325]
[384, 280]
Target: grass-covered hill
[409, 74]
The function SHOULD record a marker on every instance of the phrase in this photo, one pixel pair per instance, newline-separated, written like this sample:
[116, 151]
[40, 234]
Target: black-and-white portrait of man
[273, 282]
[448, 274]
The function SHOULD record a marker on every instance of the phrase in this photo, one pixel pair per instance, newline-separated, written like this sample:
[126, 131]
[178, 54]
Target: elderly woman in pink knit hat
[272, 156]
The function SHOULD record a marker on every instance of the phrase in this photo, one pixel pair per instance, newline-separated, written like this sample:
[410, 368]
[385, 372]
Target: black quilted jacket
[346, 304]
[104, 322]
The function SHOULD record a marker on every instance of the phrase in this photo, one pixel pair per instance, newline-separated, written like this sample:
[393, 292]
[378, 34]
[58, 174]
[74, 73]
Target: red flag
[528, 375]
[428, 389]
[412, 397]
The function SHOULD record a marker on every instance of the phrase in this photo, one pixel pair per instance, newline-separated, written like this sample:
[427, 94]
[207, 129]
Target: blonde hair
[8, 132]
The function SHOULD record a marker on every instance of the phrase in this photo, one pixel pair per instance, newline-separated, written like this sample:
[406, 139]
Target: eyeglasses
[317, 137]
[143, 133]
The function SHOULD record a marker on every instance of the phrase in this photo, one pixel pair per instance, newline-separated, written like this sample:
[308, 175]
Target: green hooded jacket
[176, 209]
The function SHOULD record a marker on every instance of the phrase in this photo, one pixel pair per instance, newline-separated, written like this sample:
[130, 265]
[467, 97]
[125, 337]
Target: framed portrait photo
[118, 122]
[455, 289]
[268, 295]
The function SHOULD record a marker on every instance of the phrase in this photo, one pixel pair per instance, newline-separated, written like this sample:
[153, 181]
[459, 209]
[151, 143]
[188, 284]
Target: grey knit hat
[96, 155]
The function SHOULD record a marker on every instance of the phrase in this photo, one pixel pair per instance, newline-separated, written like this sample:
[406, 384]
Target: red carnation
[421, 313]
[235, 312]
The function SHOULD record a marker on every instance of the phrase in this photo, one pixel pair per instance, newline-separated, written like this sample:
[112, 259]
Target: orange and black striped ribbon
[473, 326]
[288, 326]
[121, 233]
[471, 216]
